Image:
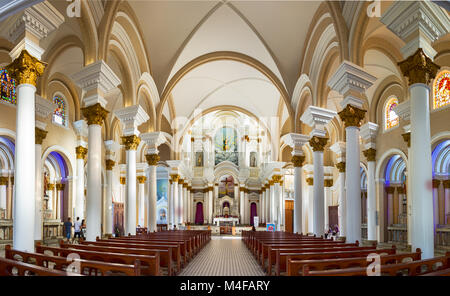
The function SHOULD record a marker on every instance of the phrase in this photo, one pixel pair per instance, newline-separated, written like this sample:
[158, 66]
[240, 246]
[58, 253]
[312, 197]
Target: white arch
[382, 160]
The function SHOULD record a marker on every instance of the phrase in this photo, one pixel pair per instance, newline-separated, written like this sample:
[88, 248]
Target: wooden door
[289, 216]
[333, 216]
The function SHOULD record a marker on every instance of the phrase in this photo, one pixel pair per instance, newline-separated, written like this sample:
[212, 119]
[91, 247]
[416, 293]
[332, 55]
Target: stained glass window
[390, 117]
[8, 87]
[441, 90]
[59, 115]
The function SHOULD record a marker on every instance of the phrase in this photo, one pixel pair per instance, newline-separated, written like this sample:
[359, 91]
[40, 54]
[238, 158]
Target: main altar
[226, 220]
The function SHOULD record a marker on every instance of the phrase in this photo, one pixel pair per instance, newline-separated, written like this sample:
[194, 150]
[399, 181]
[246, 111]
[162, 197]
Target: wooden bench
[165, 255]
[10, 267]
[405, 269]
[151, 262]
[85, 267]
[281, 266]
[294, 267]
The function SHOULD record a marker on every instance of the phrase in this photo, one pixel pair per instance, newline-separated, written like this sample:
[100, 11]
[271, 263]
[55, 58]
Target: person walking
[77, 227]
[68, 228]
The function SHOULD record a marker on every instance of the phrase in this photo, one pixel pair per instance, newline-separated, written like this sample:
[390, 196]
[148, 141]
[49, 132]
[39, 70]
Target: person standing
[83, 229]
[68, 228]
[77, 227]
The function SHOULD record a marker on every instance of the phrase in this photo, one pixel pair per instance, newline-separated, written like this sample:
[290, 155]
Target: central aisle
[223, 256]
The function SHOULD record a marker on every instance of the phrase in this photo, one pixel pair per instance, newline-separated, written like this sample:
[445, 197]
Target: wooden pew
[150, 265]
[10, 267]
[406, 269]
[278, 255]
[86, 267]
[280, 266]
[294, 267]
[442, 272]
[173, 249]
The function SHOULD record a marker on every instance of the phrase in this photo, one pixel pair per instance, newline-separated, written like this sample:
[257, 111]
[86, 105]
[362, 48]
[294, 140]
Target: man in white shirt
[77, 226]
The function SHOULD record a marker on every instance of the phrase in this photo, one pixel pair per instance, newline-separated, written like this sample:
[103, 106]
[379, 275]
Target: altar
[217, 220]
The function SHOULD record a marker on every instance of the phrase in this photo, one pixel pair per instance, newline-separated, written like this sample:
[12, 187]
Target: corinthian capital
[25, 69]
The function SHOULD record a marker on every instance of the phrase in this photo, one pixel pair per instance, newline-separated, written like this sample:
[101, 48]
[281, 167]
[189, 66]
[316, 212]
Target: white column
[79, 195]
[3, 185]
[342, 200]
[371, 202]
[40, 135]
[246, 207]
[130, 197]
[353, 190]
[447, 201]
[185, 204]
[108, 202]
[277, 204]
[241, 205]
[298, 195]
[152, 196]
[180, 202]
[141, 200]
[318, 191]
[175, 201]
[262, 205]
[310, 209]
[268, 199]
[327, 192]
[170, 205]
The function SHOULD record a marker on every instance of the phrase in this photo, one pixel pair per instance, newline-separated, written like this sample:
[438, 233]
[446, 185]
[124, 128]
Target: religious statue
[252, 159]
[199, 157]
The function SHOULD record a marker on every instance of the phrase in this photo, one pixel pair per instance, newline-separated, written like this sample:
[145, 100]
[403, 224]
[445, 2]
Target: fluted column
[318, 144]
[175, 201]
[108, 202]
[310, 208]
[141, 200]
[152, 161]
[79, 197]
[341, 199]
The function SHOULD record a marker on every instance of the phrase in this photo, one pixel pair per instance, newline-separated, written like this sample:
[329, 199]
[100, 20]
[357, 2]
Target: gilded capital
[352, 116]
[94, 114]
[298, 160]
[271, 182]
[370, 154]
[110, 164]
[400, 190]
[60, 186]
[310, 181]
[152, 159]
[436, 183]
[25, 69]
[341, 166]
[39, 135]
[446, 183]
[141, 179]
[175, 178]
[123, 180]
[131, 142]
[276, 178]
[419, 68]
[390, 189]
[180, 181]
[318, 143]
[81, 152]
[328, 182]
[50, 187]
[407, 138]
[241, 188]
[3, 181]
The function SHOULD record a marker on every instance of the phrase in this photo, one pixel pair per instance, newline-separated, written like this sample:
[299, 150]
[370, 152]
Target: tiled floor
[223, 256]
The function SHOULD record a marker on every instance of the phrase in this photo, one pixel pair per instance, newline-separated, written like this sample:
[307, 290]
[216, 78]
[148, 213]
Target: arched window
[59, 115]
[390, 117]
[8, 87]
[441, 90]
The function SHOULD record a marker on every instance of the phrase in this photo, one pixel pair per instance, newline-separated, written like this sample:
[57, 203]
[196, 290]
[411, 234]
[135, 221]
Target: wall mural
[225, 143]
[161, 200]
[226, 186]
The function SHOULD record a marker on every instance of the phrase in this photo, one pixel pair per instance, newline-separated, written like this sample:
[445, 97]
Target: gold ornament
[3, 180]
[271, 183]
[341, 167]
[94, 114]
[310, 181]
[60, 186]
[390, 190]
[419, 68]
[131, 142]
[25, 69]
[328, 182]
[50, 187]
[370, 154]
[352, 116]
[81, 152]
[276, 178]
[436, 183]
[407, 138]
[175, 178]
[152, 159]
[180, 181]
[110, 164]
[446, 183]
[141, 179]
[39, 135]
[123, 180]
[400, 190]
[318, 143]
[298, 160]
